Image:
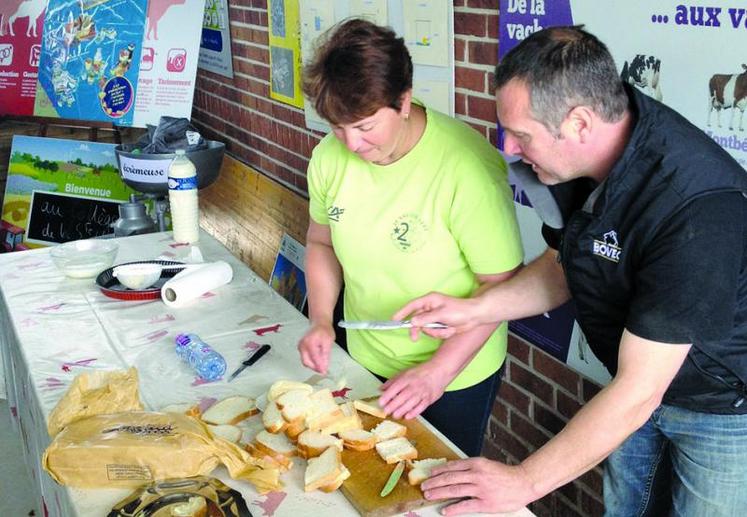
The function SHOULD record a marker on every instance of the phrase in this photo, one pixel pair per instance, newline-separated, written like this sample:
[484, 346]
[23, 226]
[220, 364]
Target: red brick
[591, 506]
[514, 397]
[483, 4]
[566, 405]
[459, 48]
[470, 24]
[500, 411]
[492, 21]
[528, 432]
[552, 368]
[469, 79]
[482, 53]
[531, 383]
[547, 419]
[593, 480]
[509, 443]
[460, 103]
[570, 492]
[493, 135]
[493, 452]
[481, 108]
[478, 127]
[590, 389]
[518, 348]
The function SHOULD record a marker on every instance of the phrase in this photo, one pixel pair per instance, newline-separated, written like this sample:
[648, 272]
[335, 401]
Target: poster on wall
[168, 66]
[288, 277]
[215, 45]
[59, 190]
[90, 52]
[285, 51]
[21, 23]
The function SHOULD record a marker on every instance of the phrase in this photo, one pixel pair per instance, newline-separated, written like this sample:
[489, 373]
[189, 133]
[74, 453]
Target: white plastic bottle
[185, 215]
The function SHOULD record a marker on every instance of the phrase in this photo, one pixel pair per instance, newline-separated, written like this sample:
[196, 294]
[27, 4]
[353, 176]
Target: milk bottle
[185, 216]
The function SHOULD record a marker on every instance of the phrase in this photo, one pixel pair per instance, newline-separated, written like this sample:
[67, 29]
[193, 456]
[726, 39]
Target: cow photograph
[728, 91]
[643, 72]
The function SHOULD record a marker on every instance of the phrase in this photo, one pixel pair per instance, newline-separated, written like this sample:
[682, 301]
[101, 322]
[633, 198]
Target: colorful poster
[89, 61]
[285, 51]
[288, 277]
[215, 47]
[21, 23]
[168, 65]
[77, 187]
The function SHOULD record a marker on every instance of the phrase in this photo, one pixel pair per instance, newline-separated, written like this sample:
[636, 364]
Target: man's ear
[578, 124]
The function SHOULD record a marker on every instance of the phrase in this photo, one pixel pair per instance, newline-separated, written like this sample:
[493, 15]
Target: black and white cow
[643, 72]
[728, 91]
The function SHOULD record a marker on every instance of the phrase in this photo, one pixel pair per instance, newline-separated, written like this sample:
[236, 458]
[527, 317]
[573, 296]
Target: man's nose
[511, 145]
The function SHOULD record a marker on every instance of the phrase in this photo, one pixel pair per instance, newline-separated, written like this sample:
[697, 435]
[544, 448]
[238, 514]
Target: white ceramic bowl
[137, 276]
[85, 258]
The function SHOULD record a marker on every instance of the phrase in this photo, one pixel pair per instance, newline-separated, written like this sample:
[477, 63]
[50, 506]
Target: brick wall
[539, 393]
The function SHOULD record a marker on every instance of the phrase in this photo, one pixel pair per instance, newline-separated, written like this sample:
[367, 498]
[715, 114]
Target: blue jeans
[680, 463]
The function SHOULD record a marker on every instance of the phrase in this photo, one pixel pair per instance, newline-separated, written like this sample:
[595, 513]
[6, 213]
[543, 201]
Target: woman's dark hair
[565, 67]
[358, 69]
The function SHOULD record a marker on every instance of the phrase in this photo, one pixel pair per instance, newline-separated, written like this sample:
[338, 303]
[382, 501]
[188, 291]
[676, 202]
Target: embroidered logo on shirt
[334, 213]
[409, 233]
[608, 248]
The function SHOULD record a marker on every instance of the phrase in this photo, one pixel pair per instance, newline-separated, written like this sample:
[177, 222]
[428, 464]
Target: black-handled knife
[250, 361]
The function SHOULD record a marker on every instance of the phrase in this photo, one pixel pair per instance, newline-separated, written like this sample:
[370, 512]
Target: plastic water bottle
[208, 363]
[185, 215]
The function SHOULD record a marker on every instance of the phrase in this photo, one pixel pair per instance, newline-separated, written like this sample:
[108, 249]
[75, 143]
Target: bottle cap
[179, 152]
[182, 340]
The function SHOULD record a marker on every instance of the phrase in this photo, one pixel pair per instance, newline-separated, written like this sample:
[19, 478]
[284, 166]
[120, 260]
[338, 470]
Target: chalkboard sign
[55, 218]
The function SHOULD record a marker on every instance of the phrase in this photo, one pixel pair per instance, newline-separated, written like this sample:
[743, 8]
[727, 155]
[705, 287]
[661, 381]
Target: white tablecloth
[54, 328]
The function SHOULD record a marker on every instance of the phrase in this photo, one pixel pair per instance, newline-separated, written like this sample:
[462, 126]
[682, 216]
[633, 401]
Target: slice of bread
[194, 507]
[323, 411]
[337, 483]
[420, 470]
[370, 407]
[294, 404]
[313, 443]
[283, 386]
[388, 430]
[295, 428]
[231, 410]
[184, 408]
[282, 463]
[350, 420]
[398, 449]
[272, 418]
[324, 470]
[273, 444]
[358, 439]
[228, 432]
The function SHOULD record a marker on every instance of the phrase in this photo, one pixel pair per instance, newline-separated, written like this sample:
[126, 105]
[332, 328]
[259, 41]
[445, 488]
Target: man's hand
[315, 347]
[489, 486]
[408, 394]
[459, 314]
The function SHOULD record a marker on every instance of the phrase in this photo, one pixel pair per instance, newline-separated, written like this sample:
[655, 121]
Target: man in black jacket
[648, 235]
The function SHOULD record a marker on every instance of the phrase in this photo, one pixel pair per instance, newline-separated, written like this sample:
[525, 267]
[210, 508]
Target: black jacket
[666, 165]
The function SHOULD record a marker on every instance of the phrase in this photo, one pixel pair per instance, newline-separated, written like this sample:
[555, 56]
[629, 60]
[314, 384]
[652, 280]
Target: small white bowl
[84, 258]
[137, 276]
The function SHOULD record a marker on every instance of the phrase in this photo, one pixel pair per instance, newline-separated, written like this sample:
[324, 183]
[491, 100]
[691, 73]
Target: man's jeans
[680, 463]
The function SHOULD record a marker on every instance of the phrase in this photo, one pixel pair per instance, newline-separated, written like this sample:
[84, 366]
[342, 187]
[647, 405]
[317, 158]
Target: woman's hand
[408, 394]
[315, 347]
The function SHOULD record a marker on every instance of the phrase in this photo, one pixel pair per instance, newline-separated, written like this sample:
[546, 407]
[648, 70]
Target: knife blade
[250, 361]
[393, 479]
[385, 325]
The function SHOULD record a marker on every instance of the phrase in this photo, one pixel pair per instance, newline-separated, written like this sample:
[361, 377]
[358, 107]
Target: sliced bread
[334, 485]
[272, 444]
[228, 432]
[313, 443]
[272, 418]
[398, 449]
[324, 470]
[294, 404]
[279, 461]
[420, 470]
[231, 410]
[370, 407]
[323, 410]
[358, 439]
[283, 386]
[350, 420]
[388, 429]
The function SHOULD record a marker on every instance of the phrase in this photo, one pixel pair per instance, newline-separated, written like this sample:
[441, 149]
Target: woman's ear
[406, 104]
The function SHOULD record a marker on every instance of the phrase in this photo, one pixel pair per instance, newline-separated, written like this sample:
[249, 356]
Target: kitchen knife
[385, 325]
[250, 361]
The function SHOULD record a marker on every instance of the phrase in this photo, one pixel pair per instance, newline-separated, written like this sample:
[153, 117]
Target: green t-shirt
[427, 222]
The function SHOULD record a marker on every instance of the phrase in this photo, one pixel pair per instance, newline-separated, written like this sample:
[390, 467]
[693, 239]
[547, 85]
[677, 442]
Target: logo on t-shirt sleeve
[409, 233]
[334, 213]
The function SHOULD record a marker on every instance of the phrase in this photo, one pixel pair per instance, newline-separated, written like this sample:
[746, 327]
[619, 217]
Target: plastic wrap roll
[195, 282]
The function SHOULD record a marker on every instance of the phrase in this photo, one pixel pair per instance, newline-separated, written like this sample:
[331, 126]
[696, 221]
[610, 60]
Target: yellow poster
[285, 51]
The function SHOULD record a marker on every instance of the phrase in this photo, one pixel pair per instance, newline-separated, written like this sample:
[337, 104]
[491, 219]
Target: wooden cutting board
[369, 473]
